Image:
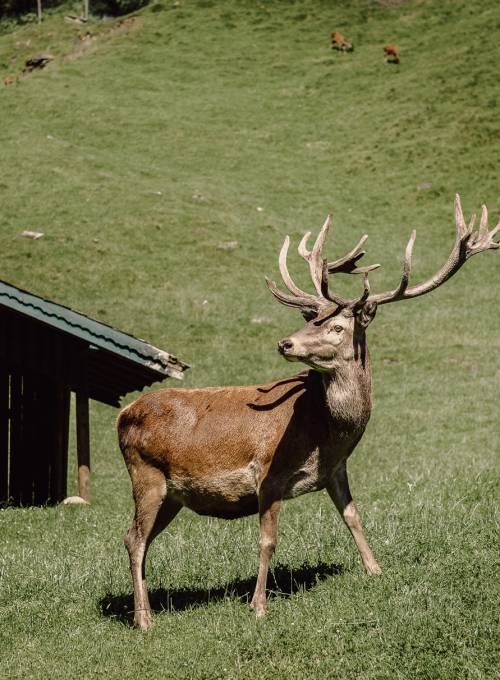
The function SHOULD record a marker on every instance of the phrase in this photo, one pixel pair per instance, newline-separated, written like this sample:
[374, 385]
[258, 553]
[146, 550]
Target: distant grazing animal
[234, 451]
[392, 54]
[9, 80]
[340, 43]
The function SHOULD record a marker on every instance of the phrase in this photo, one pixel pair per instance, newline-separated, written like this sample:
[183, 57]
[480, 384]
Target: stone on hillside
[74, 500]
[228, 245]
[34, 235]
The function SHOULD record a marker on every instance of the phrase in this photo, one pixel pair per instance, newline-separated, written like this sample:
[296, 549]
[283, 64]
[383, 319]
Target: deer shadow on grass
[283, 581]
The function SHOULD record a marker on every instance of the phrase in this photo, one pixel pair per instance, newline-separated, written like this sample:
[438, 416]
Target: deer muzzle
[285, 346]
[288, 349]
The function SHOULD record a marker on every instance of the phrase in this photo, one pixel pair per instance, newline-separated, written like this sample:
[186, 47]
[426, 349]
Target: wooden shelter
[48, 351]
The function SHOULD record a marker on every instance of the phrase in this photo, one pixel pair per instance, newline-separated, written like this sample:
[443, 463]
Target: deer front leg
[338, 489]
[268, 515]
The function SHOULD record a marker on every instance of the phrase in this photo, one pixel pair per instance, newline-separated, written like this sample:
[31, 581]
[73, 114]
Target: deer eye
[338, 329]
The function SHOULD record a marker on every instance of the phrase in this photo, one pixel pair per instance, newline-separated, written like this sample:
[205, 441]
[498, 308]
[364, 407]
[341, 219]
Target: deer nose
[285, 345]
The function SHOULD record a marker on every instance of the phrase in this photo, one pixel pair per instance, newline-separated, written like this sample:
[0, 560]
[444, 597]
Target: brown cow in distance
[392, 54]
[340, 42]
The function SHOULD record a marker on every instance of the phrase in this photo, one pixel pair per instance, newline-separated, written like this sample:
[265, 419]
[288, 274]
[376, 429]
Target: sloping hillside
[164, 135]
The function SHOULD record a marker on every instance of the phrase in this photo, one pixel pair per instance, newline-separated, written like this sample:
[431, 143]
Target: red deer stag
[340, 42]
[234, 451]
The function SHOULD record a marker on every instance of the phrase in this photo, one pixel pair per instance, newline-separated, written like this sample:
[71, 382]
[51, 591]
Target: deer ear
[308, 314]
[366, 314]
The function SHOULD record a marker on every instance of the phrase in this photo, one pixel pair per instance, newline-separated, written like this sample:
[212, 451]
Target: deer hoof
[259, 609]
[143, 622]
[373, 569]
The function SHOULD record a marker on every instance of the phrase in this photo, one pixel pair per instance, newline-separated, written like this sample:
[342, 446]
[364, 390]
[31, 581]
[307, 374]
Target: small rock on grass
[74, 500]
[228, 245]
[35, 235]
[72, 19]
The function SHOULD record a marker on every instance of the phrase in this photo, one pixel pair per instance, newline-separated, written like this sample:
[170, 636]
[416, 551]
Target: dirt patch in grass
[84, 43]
[393, 4]
[126, 25]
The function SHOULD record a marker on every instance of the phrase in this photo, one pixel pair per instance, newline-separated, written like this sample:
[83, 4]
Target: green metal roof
[97, 334]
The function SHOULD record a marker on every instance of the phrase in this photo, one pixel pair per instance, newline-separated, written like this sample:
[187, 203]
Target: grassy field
[140, 149]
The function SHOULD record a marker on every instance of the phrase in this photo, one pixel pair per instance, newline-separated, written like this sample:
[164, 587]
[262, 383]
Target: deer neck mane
[348, 392]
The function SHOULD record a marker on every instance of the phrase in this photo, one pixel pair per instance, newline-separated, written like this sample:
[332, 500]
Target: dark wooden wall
[34, 423]
[40, 364]
[38, 367]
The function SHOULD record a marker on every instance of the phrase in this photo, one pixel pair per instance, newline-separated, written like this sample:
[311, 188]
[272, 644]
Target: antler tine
[466, 244]
[308, 303]
[325, 289]
[483, 239]
[287, 279]
[463, 231]
[461, 227]
[493, 233]
[344, 302]
[405, 277]
[483, 225]
[313, 257]
[303, 252]
[366, 288]
[407, 263]
[347, 263]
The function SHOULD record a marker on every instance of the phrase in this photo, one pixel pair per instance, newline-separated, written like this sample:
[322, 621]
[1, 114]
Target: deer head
[336, 326]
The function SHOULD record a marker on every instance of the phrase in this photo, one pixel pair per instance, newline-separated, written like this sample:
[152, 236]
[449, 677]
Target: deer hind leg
[268, 515]
[153, 512]
[338, 489]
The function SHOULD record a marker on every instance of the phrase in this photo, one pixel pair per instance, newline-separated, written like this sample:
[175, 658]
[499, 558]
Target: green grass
[245, 105]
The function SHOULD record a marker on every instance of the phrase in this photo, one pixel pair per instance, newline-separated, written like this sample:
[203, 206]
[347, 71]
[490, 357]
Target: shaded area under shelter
[48, 351]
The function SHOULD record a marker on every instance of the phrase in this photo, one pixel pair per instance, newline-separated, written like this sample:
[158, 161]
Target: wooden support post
[83, 444]
[4, 435]
[86, 9]
[39, 10]
[59, 457]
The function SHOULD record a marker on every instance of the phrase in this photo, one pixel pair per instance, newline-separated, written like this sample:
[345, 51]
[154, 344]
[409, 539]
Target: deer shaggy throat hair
[235, 451]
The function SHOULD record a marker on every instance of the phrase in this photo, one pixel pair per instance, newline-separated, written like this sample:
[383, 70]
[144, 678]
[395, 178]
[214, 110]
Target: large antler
[467, 244]
[319, 269]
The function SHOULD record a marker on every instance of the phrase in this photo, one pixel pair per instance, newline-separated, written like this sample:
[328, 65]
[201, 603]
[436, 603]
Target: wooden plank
[83, 444]
[43, 424]
[16, 437]
[59, 451]
[29, 443]
[4, 435]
